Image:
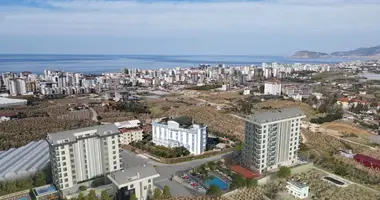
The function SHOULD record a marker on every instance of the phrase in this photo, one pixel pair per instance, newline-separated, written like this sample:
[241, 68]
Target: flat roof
[276, 115]
[298, 184]
[131, 174]
[101, 130]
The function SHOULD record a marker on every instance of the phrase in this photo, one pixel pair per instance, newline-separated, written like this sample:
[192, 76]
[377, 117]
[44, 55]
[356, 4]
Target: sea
[114, 63]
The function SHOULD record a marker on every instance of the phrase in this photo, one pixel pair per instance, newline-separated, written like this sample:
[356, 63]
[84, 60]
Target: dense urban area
[213, 132]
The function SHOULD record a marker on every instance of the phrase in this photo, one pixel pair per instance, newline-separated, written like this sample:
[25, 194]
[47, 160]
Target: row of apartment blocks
[79, 156]
[297, 92]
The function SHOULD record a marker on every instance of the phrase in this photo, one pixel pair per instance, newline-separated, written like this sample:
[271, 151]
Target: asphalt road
[167, 170]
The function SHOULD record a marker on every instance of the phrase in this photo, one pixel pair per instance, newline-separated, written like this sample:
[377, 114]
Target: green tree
[214, 190]
[284, 172]
[166, 192]
[157, 194]
[92, 195]
[39, 179]
[104, 195]
[133, 197]
[10, 187]
[237, 181]
[250, 182]
[82, 188]
[81, 196]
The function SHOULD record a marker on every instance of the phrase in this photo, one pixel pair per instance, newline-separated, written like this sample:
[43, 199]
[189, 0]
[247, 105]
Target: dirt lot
[341, 128]
[278, 104]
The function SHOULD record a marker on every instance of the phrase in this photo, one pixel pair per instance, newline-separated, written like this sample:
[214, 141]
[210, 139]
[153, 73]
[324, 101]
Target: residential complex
[273, 88]
[135, 180]
[180, 131]
[272, 139]
[130, 131]
[79, 155]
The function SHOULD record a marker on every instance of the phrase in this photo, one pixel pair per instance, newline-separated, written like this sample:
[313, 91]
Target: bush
[82, 188]
[214, 190]
[284, 172]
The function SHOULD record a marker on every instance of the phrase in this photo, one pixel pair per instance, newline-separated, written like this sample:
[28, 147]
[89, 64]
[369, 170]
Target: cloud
[214, 20]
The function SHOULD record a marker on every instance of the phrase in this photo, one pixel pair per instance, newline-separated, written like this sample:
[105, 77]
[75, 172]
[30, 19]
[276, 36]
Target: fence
[295, 170]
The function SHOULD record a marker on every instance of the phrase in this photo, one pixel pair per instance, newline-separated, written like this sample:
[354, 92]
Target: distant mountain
[370, 51]
[309, 54]
[360, 52]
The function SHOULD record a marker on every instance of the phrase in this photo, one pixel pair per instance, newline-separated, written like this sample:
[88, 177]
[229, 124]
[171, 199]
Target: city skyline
[209, 27]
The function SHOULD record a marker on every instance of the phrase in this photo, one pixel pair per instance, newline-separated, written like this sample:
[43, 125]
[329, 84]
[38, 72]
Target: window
[113, 142]
[149, 180]
[113, 147]
[149, 186]
[63, 158]
[63, 152]
[65, 174]
[62, 147]
[131, 186]
[66, 180]
[145, 187]
[64, 164]
[66, 185]
[114, 157]
[115, 167]
[114, 162]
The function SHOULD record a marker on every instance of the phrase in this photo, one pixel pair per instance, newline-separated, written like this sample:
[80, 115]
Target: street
[167, 170]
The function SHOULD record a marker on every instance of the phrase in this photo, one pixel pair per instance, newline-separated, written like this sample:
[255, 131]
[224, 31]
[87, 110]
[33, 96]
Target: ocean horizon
[37, 63]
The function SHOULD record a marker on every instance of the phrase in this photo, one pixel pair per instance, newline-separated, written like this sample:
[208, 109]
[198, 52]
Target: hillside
[360, 52]
[309, 54]
[370, 51]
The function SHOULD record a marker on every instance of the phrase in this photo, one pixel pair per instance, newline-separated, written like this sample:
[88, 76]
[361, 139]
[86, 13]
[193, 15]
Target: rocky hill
[370, 51]
[360, 52]
[309, 54]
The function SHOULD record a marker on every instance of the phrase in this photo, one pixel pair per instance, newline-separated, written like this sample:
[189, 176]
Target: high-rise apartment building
[180, 131]
[77, 156]
[272, 139]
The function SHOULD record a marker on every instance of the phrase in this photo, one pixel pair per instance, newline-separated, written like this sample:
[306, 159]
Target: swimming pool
[216, 181]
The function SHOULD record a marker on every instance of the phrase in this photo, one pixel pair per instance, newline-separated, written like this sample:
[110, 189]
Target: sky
[187, 27]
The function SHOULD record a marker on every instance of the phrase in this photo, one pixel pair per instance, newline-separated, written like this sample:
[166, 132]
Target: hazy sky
[263, 27]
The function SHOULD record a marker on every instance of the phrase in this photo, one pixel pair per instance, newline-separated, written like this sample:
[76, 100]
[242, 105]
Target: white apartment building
[272, 139]
[77, 156]
[298, 190]
[130, 131]
[272, 88]
[17, 86]
[135, 180]
[180, 131]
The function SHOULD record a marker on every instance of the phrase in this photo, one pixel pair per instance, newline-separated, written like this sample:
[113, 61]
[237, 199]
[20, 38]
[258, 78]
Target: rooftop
[276, 115]
[183, 121]
[298, 184]
[69, 136]
[122, 177]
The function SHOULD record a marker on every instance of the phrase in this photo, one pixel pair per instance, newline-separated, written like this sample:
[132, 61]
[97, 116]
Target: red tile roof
[246, 173]
[8, 114]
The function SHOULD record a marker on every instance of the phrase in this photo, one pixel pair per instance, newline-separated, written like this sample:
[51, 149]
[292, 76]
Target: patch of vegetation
[161, 151]
[39, 179]
[327, 118]
[204, 87]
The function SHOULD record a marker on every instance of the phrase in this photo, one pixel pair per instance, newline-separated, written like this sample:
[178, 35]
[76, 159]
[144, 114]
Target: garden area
[216, 178]
[323, 150]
